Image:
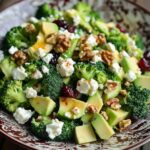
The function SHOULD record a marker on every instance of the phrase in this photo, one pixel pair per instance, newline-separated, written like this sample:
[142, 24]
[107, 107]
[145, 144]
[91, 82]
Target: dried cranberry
[144, 65]
[68, 92]
[121, 28]
[71, 28]
[61, 23]
[54, 59]
[147, 55]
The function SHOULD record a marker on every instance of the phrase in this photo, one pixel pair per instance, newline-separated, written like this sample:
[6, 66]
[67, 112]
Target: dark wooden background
[5, 144]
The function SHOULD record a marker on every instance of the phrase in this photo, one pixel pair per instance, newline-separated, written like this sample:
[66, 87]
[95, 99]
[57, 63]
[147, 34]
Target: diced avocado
[101, 126]
[96, 101]
[113, 93]
[72, 13]
[7, 65]
[69, 52]
[143, 81]
[120, 74]
[130, 63]
[115, 116]
[147, 73]
[49, 28]
[87, 118]
[84, 134]
[71, 108]
[66, 80]
[43, 105]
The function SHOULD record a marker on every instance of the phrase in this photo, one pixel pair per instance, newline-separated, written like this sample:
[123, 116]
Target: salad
[72, 77]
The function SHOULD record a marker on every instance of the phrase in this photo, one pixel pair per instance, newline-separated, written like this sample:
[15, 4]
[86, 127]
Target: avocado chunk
[84, 134]
[87, 118]
[143, 81]
[49, 28]
[112, 93]
[43, 105]
[101, 126]
[147, 73]
[115, 116]
[96, 101]
[130, 63]
[71, 108]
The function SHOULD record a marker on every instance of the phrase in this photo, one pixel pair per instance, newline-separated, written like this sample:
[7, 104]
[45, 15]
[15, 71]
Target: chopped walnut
[114, 103]
[100, 39]
[63, 43]
[107, 56]
[123, 92]
[51, 39]
[127, 83]
[30, 28]
[86, 55]
[111, 85]
[92, 109]
[20, 57]
[124, 124]
[115, 106]
[104, 114]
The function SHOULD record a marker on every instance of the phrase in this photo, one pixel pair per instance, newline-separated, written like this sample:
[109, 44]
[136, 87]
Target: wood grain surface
[5, 144]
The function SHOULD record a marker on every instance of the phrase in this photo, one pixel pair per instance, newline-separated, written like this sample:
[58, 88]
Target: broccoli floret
[100, 77]
[139, 41]
[136, 101]
[45, 11]
[38, 128]
[84, 70]
[2, 82]
[7, 65]
[52, 83]
[19, 38]
[12, 95]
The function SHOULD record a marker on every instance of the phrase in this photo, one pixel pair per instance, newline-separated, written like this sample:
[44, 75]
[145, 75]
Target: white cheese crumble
[101, 86]
[54, 129]
[30, 92]
[37, 75]
[65, 67]
[45, 69]
[12, 50]
[91, 40]
[34, 20]
[125, 54]
[88, 87]
[68, 114]
[76, 110]
[131, 76]
[22, 115]
[41, 53]
[111, 47]
[96, 58]
[76, 20]
[1, 55]
[47, 58]
[19, 73]
[116, 67]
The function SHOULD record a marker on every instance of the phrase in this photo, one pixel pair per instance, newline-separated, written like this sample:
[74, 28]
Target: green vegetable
[100, 77]
[12, 95]
[136, 101]
[52, 83]
[139, 41]
[19, 38]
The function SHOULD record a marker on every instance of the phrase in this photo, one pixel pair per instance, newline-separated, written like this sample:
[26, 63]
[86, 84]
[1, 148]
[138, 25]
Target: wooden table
[5, 144]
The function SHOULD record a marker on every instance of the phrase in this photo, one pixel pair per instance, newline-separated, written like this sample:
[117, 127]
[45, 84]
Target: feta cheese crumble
[22, 115]
[34, 20]
[37, 75]
[88, 87]
[30, 92]
[41, 53]
[91, 40]
[125, 54]
[76, 20]
[54, 129]
[116, 67]
[65, 67]
[45, 69]
[96, 58]
[111, 47]
[1, 55]
[47, 58]
[131, 76]
[19, 73]
[12, 50]
[68, 114]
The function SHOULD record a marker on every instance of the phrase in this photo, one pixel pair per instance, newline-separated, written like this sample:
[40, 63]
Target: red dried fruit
[144, 65]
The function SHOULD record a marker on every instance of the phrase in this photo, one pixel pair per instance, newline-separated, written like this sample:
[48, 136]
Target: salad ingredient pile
[72, 77]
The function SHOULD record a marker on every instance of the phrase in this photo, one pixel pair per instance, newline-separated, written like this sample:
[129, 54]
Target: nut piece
[51, 39]
[123, 92]
[30, 28]
[110, 85]
[124, 124]
[92, 109]
[104, 114]
[20, 57]
[114, 103]
[63, 43]
[127, 83]
[107, 56]
[100, 39]
[86, 55]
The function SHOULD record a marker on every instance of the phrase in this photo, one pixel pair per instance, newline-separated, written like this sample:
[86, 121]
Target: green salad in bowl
[72, 77]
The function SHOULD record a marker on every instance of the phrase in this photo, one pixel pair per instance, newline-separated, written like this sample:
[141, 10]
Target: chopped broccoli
[7, 65]
[139, 41]
[52, 83]
[12, 95]
[19, 38]
[38, 128]
[136, 101]
[45, 11]
[100, 77]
